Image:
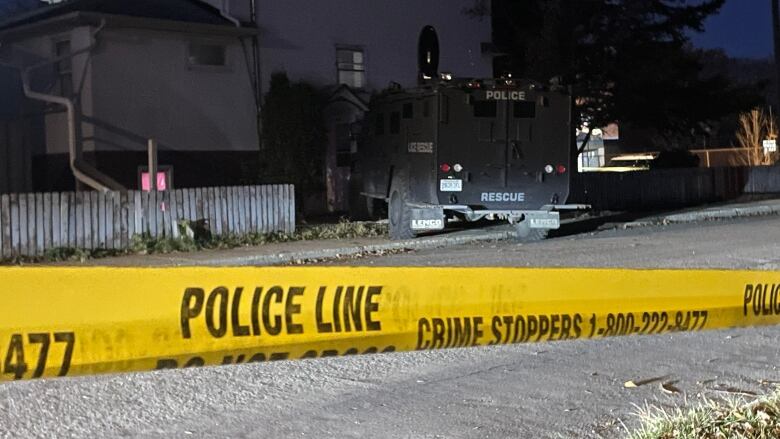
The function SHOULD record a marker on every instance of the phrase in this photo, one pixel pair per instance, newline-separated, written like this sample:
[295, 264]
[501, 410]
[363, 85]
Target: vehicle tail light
[561, 169]
[457, 167]
[445, 167]
[549, 169]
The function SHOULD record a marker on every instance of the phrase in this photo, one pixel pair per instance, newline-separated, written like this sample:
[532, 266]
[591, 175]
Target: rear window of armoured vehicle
[524, 110]
[485, 109]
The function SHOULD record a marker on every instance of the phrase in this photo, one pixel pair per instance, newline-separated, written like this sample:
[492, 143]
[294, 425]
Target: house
[191, 74]
[174, 71]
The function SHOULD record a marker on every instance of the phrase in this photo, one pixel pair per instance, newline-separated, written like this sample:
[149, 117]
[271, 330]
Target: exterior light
[457, 167]
[549, 169]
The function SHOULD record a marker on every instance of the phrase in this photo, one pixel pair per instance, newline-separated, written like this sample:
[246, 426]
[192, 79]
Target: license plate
[451, 185]
[545, 223]
[427, 224]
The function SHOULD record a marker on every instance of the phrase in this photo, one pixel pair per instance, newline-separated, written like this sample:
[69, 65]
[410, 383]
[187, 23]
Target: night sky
[743, 28]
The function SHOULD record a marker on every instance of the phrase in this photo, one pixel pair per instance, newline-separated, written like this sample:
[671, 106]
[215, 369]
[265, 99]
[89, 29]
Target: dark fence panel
[671, 188]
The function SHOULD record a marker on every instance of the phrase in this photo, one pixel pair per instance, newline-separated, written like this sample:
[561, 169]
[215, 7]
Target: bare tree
[756, 126]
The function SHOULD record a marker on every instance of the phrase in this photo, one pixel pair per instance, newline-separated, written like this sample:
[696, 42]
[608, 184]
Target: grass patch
[728, 418]
[195, 238]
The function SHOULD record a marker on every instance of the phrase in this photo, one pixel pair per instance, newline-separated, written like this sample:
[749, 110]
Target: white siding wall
[143, 85]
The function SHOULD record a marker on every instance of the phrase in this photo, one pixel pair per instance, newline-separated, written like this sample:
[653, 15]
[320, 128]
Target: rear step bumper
[468, 209]
[432, 217]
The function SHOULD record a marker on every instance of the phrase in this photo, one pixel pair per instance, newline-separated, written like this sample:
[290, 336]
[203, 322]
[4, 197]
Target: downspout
[256, 57]
[258, 74]
[80, 171]
[256, 81]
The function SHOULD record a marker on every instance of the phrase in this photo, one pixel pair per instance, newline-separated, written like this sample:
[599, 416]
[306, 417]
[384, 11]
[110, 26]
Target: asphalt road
[746, 243]
[566, 389]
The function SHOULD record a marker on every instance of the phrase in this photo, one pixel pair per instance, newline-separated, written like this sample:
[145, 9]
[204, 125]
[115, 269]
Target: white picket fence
[31, 224]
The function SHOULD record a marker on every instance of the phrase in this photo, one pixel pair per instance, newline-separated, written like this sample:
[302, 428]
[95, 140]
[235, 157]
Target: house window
[379, 127]
[64, 68]
[395, 122]
[408, 110]
[343, 145]
[207, 55]
[351, 67]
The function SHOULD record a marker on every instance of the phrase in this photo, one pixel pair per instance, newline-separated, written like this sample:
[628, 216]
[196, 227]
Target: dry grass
[189, 242]
[729, 418]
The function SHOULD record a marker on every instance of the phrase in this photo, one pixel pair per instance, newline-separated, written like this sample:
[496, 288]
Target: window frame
[226, 67]
[343, 138]
[339, 69]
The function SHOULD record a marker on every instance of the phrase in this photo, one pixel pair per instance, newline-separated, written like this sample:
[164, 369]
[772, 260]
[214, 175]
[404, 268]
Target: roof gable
[189, 11]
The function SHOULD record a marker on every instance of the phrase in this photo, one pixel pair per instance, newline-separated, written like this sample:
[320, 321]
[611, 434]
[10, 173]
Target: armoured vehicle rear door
[504, 140]
[539, 142]
[473, 134]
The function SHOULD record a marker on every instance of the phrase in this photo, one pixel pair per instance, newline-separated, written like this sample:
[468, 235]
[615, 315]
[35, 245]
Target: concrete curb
[724, 213]
[470, 237]
[710, 214]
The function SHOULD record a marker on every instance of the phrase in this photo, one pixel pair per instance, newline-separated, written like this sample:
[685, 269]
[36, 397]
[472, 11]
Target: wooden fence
[31, 224]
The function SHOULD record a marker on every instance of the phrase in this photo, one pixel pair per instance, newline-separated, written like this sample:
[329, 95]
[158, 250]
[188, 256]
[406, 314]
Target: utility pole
[152, 158]
[776, 38]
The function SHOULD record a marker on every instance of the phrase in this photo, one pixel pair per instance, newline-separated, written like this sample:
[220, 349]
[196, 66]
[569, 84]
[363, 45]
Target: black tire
[399, 214]
[526, 234]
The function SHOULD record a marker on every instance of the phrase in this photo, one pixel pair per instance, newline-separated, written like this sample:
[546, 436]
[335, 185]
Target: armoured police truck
[467, 149]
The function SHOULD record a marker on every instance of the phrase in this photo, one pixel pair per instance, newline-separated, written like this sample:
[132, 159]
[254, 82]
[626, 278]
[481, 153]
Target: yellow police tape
[79, 321]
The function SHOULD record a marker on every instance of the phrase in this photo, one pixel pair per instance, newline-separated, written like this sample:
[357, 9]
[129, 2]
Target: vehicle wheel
[526, 234]
[399, 214]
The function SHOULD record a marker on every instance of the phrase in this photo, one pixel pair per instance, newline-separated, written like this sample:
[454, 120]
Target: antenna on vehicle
[428, 54]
